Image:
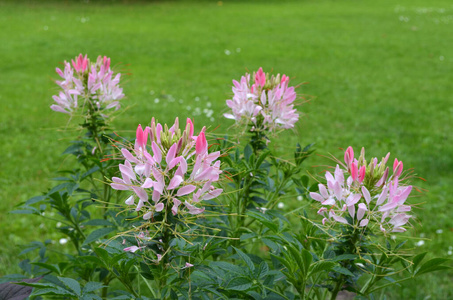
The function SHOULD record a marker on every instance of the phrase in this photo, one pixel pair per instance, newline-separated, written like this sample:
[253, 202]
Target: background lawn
[380, 73]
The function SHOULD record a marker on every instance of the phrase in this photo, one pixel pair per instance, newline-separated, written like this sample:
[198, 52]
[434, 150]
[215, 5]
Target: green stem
[389, 284]
[277, 292]
[337, 288]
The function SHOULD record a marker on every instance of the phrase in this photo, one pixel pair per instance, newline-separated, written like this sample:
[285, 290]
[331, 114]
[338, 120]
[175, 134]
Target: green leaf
[92, 286]
[432, 265]
[37, 284]
[97, 234]
[99, 222]
[260, 217]
[53, 291]
[35, 200]
[345, 257]
[248, 151]
[246, 259]
[54, 268]
[260, 159]
[271, 244]
[71, 284]
[322, 266]
[343, 271]
[239, 284]
[307, 258]
[89, 172]
[284, 262]
[417, 259]
[263, 269]
[103, 255]
[227, 267]
[24, 211]
[247, 236]
[297, 257]
[201, 278]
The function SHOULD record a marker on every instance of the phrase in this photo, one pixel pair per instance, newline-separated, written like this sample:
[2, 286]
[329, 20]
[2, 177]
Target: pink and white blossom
[94, 84]
[168, 170]
[361, 193]
[266, 103]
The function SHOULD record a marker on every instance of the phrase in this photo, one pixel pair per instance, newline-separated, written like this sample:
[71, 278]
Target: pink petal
[157, 154]
[171, 153]
[130, 200]
[159, 207]
[201, 145]
[192, 209]
[366, 195]
[175, 182]
[361, 211]
[364, 222]
[176, 204]
[187, 189]
[213, 194]
[317, 197]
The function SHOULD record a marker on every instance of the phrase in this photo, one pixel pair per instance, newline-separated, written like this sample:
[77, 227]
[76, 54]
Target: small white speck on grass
[439, 231]
[212, 119]
[393, 237]
[280, 205]
[181, 101]
[208, 104]
[63, 241]
[197, 111]
[84, 20]
[189, 108]
[197, 99]
[404, 19]
[58, 224]
[420, 243]
[238, 50]
[156, 100]
[151, 92]
[450, 252]
[441, 58]
[46, 28]
[41, 225]
[227, 52]
[422, 235]
[299, 198]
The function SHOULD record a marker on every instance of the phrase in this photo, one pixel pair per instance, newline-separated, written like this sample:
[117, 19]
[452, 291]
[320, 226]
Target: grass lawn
[380, 74]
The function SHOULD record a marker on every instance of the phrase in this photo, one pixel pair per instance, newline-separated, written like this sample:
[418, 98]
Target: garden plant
[177, 213]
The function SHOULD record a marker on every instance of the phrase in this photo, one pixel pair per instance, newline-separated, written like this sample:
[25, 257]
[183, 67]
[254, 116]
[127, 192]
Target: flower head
[93, 83]
[266, 103]
[169, 170]
[363, 192]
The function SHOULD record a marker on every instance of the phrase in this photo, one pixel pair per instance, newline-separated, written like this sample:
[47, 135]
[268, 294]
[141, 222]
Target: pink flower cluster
[359, 193]
[86, 81]
[267, 103]
[174, 168]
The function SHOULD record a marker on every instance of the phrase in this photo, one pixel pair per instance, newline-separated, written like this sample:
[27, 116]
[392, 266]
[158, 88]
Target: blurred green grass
[380, 73]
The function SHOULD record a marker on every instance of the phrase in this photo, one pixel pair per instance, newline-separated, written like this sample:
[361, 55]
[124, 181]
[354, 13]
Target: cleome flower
[93, 83]
[266, 104]
[169, 170]
[361, 193]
